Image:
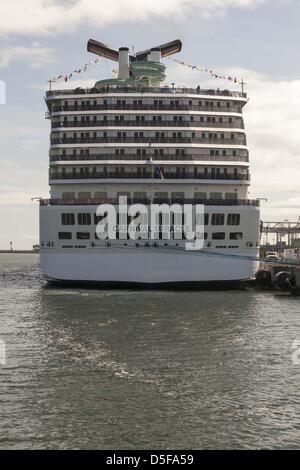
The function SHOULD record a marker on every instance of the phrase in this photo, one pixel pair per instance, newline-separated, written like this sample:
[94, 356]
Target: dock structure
[282, 231]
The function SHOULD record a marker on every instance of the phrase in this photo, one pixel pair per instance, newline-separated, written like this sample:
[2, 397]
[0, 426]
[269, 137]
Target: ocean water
[126, 369]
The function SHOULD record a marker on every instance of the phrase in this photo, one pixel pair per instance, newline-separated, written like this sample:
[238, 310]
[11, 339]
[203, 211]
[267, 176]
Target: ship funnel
[123, 62]
[155, 54]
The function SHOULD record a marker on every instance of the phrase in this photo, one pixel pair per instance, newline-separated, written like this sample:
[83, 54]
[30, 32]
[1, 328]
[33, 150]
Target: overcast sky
[254, 39]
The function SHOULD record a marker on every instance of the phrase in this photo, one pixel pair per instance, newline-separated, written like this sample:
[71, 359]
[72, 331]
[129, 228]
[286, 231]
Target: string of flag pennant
[82, 69]
[212, 73]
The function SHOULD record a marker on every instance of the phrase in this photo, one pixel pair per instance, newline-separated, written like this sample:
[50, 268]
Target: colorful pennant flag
[79, 70]
[206, 70]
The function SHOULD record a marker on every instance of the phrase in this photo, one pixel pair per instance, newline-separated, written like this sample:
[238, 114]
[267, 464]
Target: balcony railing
[145, 157]
[207, 202]
[145, 140]
[146, 107]
[143, 89]
[147, 175]
[120, 123]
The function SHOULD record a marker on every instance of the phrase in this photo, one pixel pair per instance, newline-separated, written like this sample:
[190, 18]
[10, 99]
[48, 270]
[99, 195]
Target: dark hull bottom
[208, 285]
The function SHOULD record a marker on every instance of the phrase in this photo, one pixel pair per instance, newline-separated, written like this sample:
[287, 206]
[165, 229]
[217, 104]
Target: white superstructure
[106, 142]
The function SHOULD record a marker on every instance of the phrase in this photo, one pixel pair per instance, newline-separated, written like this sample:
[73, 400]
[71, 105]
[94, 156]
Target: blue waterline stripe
[182, 251]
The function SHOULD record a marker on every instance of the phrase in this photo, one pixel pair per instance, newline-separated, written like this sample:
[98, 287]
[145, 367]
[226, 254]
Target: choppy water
[136, 370]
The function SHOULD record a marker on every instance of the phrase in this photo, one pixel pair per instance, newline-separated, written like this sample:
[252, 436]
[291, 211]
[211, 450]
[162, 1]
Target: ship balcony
[48, 115]
[146, 140]
[143, 158]
[143, 123]
[146, 107]
[167, 175]
[207, 202]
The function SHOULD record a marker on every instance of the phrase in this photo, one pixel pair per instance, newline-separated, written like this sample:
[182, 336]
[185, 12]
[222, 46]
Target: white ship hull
[145, 266]
[150, 262]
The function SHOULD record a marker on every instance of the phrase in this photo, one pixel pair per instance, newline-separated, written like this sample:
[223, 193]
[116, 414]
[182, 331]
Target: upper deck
[129, 90]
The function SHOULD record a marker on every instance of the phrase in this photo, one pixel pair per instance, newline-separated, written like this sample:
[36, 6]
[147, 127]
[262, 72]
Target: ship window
[177, 195]
[123, 193]
[100, 194]
[98, 218]
[200, 195]
[217, 219]
[233, 219]
[139, 196]
[161, 196]
[236, 236]
[218, 236]
[215, 196]
[64, 235]
[68, 195]
[231, 196]
[82, 235]
[84, 219]
[84, 195]
[68, 219]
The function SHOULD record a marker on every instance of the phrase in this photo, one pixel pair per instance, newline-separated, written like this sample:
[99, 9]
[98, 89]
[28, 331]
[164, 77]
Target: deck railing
[146, 107]
[143, 89]
[145, 157]
[147, 175]
[146, 140]
[120, 123]
[97, 201]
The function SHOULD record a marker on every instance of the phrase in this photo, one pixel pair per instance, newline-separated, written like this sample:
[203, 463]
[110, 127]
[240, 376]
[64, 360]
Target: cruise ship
[134, 136]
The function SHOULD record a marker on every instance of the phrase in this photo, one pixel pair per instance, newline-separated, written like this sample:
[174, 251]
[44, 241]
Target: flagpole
[50, 84]
[242, 85]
